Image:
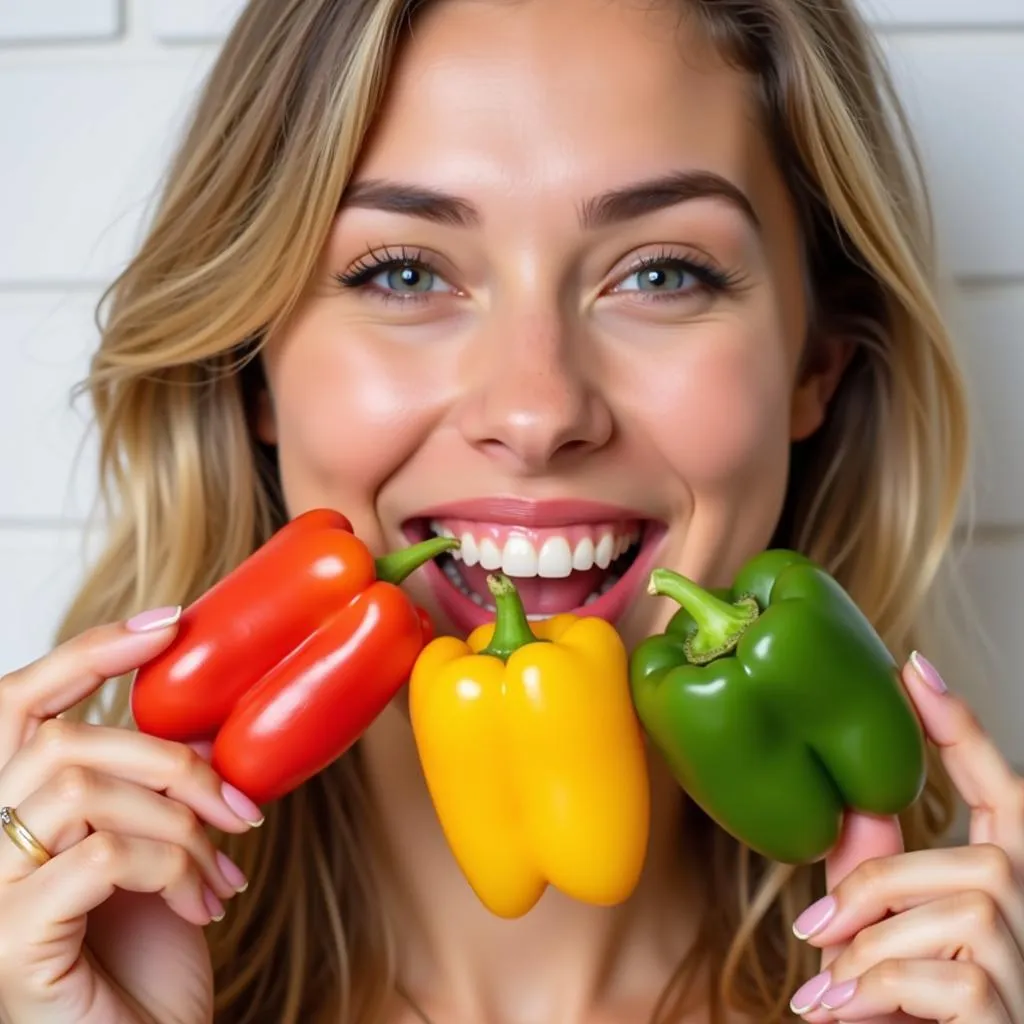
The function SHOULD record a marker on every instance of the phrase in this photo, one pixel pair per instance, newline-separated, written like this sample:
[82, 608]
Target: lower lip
[466, 616]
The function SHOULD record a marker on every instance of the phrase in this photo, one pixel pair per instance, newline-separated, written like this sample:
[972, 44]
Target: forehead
[556, 94]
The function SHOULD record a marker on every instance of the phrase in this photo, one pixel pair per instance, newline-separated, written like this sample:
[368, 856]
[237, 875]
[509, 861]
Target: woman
[595, 266]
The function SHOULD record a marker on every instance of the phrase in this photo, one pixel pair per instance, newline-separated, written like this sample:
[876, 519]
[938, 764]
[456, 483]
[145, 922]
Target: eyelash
[378, 261]
[710, 276]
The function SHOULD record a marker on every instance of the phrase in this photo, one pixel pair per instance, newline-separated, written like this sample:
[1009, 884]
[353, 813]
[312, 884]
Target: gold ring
[22, 838]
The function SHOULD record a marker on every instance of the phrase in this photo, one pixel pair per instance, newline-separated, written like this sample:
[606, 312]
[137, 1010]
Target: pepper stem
[397, 565]
[511, 626]
[719, 624]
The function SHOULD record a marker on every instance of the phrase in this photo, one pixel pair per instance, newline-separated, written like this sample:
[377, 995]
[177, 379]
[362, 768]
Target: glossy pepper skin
[287, 660]
[777, 706]
[534, 757]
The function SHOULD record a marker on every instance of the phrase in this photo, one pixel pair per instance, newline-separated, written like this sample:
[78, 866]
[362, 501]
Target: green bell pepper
[776, 706]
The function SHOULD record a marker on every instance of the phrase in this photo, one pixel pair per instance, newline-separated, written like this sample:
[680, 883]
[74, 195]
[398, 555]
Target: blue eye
[668, 278]
[394, 275]
[406, 278]
[665, 276]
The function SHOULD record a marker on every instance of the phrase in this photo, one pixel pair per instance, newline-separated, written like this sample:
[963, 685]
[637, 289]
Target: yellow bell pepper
[534, 756]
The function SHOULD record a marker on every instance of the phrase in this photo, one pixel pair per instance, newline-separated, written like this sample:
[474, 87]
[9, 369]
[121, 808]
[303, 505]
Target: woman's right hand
[122, 816]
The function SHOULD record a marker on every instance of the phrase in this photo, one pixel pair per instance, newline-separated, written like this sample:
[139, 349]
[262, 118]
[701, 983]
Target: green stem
[511, 627]
[719, 624]
[396, 565]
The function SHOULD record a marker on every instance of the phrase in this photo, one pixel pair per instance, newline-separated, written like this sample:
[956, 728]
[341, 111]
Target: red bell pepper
[287, 660]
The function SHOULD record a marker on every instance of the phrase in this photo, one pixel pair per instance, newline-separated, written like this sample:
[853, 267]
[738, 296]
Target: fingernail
[204, 748]
[242, 805]
[155, 618]
[814, 918]
[840, 995]
[233, 874]
[928, 672]
[213, 905]
[808, 996]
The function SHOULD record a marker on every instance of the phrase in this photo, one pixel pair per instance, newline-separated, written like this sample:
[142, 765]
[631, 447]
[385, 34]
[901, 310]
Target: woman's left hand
[935, 935]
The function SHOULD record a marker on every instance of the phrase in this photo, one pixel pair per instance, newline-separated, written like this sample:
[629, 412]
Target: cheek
[348, 412]
[722, 419]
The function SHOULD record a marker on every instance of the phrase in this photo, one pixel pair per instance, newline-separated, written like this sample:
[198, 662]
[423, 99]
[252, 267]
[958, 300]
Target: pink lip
[520, 512]
[466, 616]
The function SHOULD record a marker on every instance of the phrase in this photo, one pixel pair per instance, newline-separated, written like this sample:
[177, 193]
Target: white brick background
[92, 91]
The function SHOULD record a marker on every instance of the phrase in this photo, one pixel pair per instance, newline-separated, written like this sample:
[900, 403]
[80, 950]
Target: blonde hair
[189, 492]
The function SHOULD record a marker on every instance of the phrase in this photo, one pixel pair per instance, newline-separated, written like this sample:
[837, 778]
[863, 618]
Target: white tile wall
[194, 20]
[944, 13]
[47, 463]
[990, 325]
[58, 20]
[92, 92]
[85, 146]
[960, 89]
[39, 568]
[993, 575]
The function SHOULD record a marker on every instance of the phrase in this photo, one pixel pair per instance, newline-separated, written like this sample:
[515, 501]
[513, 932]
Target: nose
[530, 404]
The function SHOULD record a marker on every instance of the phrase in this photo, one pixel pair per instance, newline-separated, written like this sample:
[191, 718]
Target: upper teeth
[555, 559]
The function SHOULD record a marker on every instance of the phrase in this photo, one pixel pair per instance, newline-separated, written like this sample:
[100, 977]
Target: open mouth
[592, 568]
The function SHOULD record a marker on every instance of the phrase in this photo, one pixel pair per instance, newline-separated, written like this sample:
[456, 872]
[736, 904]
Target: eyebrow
[636, 200]
[412, 200]
[612, 207]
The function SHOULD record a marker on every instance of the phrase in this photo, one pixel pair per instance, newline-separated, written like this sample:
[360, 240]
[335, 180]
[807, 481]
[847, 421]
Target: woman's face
[560, 315]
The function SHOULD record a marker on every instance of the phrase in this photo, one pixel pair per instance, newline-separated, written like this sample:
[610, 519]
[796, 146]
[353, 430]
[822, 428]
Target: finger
[984, 778]
[893, 885]
[967, 926]
[64, 889]
[77, 801]
[161, 765]
[864, 837]
[59, 680]
[930, 990]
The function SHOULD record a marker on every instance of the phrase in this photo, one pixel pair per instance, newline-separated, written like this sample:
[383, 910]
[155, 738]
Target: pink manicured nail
[204, 748]
[840, 995]
[213, 905]
[155, 618]
[242, 805]
[232, 873]
[928, 672]
[814, 918]
[808, 996]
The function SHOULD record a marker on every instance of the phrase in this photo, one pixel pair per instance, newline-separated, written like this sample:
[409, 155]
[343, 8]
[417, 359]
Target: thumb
[863, 837]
